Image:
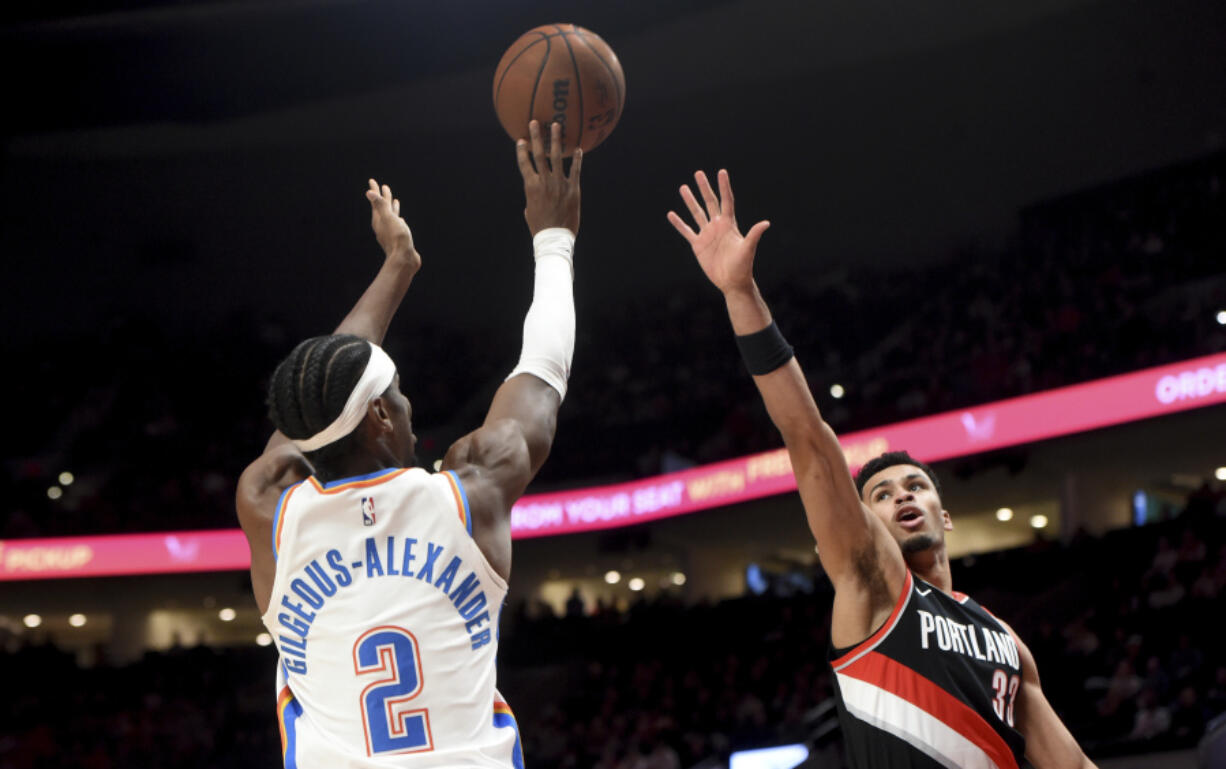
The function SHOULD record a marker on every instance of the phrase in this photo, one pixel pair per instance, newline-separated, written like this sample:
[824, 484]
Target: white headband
[375, 379]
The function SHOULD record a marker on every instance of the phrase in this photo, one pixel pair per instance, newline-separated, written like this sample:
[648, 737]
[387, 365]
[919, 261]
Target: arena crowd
[1129, 660]
[156, 428]
[1103, 282]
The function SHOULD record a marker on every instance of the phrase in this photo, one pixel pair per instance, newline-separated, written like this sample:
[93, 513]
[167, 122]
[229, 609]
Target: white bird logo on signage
[182, 551]
[979, 429]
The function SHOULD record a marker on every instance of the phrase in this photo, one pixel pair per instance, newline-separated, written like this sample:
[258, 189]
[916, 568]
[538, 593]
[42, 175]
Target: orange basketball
[565, 74]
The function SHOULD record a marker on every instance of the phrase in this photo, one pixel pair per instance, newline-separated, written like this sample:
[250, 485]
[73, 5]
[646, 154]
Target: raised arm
[372, 313]
[857, 553]
[281, 464]
[497, 461]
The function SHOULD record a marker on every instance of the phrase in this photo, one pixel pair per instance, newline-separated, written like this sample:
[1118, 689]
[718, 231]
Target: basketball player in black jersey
[926, 677]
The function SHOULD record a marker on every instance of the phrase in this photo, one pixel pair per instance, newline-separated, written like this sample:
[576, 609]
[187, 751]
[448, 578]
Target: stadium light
[1038, 521]
[76, 620]
[263, 639]
[837, 391]
[636, 584]
[227, 614]
[1004, 514]
[1220, 473]
[55, 492]
[32, 620]
[677, 578]
[612, 576]
[66, 478]
[1221, 317]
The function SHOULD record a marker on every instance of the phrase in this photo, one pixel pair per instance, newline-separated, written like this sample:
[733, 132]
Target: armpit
[866, 564]
[287, 469]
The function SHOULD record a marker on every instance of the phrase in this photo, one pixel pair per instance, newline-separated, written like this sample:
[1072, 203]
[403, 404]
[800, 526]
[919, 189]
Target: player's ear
[947, 521]
[379, 411]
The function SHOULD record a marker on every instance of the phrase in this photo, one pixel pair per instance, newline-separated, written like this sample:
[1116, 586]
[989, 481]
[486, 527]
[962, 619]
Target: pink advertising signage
[119, 554]
[1064, 411]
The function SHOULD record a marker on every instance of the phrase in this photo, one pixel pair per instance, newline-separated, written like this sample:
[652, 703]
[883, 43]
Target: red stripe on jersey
[892, 676]
[885, 628]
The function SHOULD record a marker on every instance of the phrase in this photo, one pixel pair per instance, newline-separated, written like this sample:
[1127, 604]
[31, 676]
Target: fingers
[379, 196]
[700, 218]
[538, 147]
[576, 164]
[725, 194]
[708, 195]
[532, 156]
[555, 148]
[682, 228]
[521, 157]
[755, 234]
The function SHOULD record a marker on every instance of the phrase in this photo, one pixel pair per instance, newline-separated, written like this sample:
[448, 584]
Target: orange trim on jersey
[357, 484]
[892, 676]
[283, 702]
[504, 708]
[885, 628]
[276, 550]
[459, 497]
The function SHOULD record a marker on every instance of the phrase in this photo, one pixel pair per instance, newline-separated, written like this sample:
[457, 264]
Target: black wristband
[765, 350]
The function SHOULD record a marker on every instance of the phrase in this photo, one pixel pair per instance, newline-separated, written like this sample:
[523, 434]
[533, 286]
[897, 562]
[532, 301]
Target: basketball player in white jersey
[380, 582]
[926, 677]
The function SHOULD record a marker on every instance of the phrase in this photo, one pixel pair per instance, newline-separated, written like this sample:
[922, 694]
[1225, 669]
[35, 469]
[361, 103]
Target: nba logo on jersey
[368, 511]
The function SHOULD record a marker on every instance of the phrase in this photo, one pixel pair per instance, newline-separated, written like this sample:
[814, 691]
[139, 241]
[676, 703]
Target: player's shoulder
[262, 482]
[971, 604]
[483, 458]
[1027, 659]
[496, 441]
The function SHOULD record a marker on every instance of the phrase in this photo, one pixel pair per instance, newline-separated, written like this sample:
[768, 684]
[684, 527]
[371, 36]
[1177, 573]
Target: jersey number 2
[390, 653]
[1005, 687]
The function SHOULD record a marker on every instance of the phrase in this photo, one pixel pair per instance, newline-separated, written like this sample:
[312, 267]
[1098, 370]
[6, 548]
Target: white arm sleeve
[549, 327]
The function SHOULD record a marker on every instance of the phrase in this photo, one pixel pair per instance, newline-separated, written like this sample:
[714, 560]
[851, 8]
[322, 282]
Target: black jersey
[933, 687]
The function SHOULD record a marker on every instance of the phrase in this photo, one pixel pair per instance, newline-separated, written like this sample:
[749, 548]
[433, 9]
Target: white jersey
[385, 613]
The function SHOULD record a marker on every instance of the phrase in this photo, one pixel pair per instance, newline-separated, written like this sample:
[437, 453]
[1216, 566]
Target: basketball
[565, 74]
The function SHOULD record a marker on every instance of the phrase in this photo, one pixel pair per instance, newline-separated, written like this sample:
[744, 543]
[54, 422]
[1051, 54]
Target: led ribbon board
[1050, 414]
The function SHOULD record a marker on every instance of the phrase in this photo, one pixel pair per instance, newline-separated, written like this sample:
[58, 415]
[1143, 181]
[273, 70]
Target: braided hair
[309, 389]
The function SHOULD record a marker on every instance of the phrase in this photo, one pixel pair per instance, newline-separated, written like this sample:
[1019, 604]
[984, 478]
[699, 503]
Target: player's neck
[354, 465]
[932, 566]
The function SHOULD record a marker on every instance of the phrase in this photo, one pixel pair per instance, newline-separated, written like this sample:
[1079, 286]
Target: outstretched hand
[390, 228]
[726, 256]
[552, 197]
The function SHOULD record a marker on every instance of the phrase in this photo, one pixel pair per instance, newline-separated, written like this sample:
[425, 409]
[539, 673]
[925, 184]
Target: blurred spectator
[1152, 719]
[1188, 717]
